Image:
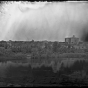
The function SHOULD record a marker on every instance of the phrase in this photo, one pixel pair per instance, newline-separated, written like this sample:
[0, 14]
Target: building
[72, 40]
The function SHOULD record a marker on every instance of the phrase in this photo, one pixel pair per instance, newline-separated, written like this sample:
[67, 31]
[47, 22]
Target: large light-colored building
[72, 40]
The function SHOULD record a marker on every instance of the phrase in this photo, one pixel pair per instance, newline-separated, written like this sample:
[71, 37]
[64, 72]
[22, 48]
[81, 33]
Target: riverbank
[13, 57]
[20, 57]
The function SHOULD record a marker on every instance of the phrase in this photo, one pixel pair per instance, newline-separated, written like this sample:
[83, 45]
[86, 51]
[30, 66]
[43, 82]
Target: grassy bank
[41, 57]
[13, 57]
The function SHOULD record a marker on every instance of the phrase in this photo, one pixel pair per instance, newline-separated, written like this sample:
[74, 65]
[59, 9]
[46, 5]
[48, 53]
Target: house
[72, 40]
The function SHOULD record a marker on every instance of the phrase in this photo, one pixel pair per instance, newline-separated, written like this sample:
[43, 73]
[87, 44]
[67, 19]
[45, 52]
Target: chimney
[73, 36]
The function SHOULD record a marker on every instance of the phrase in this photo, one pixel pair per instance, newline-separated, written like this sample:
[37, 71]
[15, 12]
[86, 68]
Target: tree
[55, 46]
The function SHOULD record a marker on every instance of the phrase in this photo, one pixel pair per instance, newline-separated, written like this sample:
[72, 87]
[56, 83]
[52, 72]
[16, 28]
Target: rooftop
[72, 37]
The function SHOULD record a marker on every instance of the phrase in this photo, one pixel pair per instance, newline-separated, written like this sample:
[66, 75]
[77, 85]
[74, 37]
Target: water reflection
[23, 73]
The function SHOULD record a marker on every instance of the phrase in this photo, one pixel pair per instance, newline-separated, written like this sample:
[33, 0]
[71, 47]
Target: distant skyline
[43, 20]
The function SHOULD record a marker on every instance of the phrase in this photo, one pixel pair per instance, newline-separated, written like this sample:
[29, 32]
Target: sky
[53, 21]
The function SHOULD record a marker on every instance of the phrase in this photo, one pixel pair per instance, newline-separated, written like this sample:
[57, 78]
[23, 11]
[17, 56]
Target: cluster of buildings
[72, 41]
[76, 43]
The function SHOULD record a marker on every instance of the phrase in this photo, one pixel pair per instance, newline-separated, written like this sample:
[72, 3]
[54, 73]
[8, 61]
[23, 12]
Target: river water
[19, 73]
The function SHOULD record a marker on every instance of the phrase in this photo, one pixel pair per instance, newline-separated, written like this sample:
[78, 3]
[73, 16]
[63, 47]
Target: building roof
[72, 37]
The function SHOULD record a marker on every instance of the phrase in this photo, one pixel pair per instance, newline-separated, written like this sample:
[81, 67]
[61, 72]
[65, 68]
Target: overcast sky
[43, 20]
